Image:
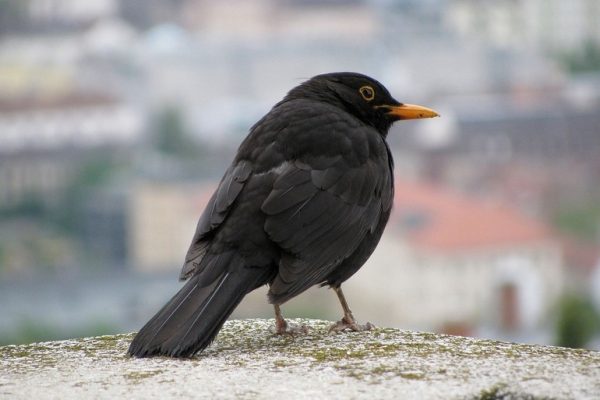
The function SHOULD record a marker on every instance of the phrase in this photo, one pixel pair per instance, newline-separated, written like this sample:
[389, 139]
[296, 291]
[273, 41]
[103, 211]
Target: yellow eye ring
[367, 93]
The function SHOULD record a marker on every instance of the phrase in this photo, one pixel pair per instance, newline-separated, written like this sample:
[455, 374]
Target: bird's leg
[283, 328]
[280, 323]
[348, 321]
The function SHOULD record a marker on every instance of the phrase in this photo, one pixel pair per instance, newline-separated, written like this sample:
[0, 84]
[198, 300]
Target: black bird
[304, 202]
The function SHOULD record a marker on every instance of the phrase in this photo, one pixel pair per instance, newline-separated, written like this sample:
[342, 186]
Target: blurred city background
[118, 117]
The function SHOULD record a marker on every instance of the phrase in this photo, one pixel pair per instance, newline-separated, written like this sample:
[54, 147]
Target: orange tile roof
[435, 217]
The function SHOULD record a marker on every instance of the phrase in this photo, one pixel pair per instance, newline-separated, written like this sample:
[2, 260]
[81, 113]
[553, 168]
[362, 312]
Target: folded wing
[213, 216]
[319, 217]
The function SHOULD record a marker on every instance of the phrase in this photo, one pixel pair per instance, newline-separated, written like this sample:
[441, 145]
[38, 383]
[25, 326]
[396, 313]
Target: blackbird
[304, 202]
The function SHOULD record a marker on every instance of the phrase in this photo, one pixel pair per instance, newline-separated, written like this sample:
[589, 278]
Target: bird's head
[361, 96]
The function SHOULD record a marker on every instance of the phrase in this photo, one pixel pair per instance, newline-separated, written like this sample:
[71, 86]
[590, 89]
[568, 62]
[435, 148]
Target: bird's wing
[319, 214]
[214, 214]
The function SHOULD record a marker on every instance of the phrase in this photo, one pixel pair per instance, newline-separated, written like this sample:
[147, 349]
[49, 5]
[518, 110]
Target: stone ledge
[247, 362]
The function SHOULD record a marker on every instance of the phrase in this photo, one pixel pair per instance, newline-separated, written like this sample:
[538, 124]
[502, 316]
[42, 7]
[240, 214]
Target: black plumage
[304, 202]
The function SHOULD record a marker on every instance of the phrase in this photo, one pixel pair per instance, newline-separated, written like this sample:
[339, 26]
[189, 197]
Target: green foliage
[170, 134]
[585, 60]
[95, 172]
[2, 257]
[31, 206]
[30, 331]
[577, 321]
[45, 232]
[581, 220]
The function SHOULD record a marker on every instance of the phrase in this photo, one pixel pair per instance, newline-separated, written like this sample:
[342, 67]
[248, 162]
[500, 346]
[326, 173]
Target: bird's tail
[192, 318]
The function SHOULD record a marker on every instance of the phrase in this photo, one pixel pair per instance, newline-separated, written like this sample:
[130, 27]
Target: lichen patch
[248, 361]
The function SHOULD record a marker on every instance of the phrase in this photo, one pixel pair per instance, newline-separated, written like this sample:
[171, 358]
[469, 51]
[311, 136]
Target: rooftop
[439, 218]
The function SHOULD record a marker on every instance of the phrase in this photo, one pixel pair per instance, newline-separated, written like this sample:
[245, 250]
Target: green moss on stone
[247, 349]
[137, 377]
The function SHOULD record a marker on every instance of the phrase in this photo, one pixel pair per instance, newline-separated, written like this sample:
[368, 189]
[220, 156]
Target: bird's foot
[283, 328]
[349, 323]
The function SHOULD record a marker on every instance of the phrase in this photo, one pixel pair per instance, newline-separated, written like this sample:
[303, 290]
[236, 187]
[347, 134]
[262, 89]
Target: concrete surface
[248, 362]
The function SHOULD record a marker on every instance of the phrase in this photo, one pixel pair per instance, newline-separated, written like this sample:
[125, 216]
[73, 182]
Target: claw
[283, 328]
[345, 324]
[348, 322]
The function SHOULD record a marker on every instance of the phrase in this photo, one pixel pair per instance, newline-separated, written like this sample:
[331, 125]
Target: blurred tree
[95, 172]
[580, 219]
[2, 258]
[31, 206]
[170, 134]
[30, 331]
[577, 321]
[585, 60]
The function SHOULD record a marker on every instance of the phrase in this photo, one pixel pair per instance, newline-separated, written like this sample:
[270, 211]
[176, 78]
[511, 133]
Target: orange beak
[411, 111]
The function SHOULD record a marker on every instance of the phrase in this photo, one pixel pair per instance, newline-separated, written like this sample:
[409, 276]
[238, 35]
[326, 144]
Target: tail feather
[190, 321]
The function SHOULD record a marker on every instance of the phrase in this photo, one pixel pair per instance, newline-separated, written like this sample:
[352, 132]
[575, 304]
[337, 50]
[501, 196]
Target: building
[536, 150]
[162, 218]
[453, 263]
[44, 139]
[550, 25]
[69, 12]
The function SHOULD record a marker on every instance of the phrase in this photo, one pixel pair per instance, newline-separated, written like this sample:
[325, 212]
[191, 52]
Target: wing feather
[214, 214]
[320, 222]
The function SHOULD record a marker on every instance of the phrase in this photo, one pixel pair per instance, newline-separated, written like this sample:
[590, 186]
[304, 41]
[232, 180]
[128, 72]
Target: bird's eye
[367, 93]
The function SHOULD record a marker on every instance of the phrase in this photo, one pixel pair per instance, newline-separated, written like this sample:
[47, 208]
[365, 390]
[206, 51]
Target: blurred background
[118, 118]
